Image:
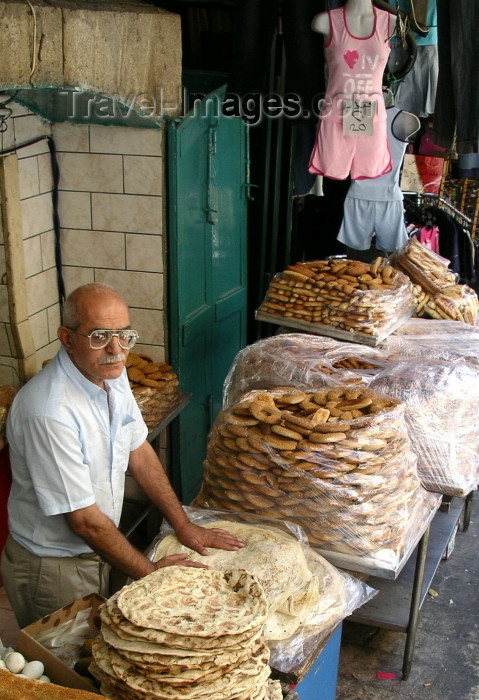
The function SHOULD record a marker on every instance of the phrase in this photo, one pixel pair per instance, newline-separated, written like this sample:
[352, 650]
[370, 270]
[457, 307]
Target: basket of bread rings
[154, 385]
[337, 461]
[437, 386]
[341, 298]
[435, 290]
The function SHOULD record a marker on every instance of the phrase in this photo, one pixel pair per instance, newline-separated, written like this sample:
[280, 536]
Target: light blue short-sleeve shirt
[67, 453]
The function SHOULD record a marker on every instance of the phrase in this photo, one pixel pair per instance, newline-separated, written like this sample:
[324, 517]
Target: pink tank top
[355, 64]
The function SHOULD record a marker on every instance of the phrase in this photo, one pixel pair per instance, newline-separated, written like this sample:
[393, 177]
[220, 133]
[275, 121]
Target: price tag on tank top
[358, 117]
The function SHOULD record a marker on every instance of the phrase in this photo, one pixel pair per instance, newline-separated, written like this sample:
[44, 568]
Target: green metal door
[207, 267]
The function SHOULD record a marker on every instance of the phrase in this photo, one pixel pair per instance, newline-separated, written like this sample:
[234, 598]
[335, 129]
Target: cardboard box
[58, 671]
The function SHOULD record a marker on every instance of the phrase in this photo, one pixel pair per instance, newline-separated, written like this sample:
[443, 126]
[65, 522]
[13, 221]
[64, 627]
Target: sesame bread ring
[265, 398]
[280, 443]
[303, 455]
[308, 446]
[300, 421]
[237, 430]
[308, 406]
[331, 427]
[265, 413]
[230, 444]
[234, 495]
[297, 428]
[321, 415]
[286, 432]
[292, 398]
[347, 415]
[259, 500]
[244, 421]
[355, 404]
[335, 394]
[243, 444]
[225, 432]
[361, 444]
[258, 445]
[327, 437]
[150, 382]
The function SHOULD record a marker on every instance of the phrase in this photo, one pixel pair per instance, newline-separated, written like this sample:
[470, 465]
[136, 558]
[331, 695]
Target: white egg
[44, 679]
[33, 669]
[2, 664]
[14, 661]
[6, 650]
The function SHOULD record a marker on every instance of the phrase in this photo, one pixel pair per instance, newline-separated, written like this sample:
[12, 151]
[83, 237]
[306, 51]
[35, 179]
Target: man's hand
[178, 559]
[200, 538]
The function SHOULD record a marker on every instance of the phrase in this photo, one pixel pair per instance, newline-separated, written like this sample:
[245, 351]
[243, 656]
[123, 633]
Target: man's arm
[101, 534]
[148, 472]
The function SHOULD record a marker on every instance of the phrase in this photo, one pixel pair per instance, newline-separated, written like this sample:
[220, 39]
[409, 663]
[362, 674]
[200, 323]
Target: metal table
[397, 605]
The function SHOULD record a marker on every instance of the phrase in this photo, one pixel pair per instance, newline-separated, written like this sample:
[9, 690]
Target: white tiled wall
[111, 212]
[111, 217]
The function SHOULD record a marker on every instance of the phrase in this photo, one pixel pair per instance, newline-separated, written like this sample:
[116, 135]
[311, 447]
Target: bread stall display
[307, 596]
[184, 632]
[337, 462]
[342, 298]
[436, 292]
[435, 374]
[154, 385]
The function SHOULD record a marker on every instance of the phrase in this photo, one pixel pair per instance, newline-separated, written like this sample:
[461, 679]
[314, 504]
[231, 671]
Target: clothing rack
[430, 199]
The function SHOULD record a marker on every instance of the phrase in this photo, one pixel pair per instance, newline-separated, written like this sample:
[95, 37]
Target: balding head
[82, 298]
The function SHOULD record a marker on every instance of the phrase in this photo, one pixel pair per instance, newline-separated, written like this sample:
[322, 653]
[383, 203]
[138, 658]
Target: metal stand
[397, 605]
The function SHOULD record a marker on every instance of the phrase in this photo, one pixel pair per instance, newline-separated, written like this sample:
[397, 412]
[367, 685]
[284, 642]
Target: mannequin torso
[359, 19]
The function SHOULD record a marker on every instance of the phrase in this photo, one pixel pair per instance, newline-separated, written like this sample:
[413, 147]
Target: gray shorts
[364, 218]
[37, 586]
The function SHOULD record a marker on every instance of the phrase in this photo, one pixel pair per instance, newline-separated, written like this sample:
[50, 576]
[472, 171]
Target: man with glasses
[73, 430]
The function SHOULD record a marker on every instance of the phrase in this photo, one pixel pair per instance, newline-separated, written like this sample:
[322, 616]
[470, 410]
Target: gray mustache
[111, 360]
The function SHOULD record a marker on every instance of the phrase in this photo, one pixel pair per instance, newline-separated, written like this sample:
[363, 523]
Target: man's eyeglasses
[99, 339]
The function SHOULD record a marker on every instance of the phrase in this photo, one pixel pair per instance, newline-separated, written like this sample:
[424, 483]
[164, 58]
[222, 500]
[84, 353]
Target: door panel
[207, 265]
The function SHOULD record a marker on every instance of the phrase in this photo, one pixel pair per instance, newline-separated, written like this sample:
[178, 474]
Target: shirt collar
[72, 371]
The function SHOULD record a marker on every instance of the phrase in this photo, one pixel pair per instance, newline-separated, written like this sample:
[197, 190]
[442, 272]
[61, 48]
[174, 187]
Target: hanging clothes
[375, 206]
[416, 92]
[454, 241]
[356, 67]
[456, 112]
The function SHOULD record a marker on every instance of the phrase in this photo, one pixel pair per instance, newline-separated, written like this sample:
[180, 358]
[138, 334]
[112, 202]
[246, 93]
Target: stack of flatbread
[303, 593]
[183, 632]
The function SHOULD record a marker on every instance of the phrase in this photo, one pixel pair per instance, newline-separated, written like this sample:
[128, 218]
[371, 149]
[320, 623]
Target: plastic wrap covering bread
[307, 596]
[435, 291]
[441, 417]
[341, 298]
[426, 339]
[154, 385]
[337, 462]
[432, 366]
[300, 360]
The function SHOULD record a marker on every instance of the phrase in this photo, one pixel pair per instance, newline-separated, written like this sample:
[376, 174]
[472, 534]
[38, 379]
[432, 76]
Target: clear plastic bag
[351, 483]
[324, 595]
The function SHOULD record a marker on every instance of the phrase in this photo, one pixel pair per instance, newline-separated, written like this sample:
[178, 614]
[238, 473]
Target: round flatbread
[195, 602]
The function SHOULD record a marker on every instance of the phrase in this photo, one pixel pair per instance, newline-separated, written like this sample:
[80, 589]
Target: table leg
[467, 511]
[415, 604]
